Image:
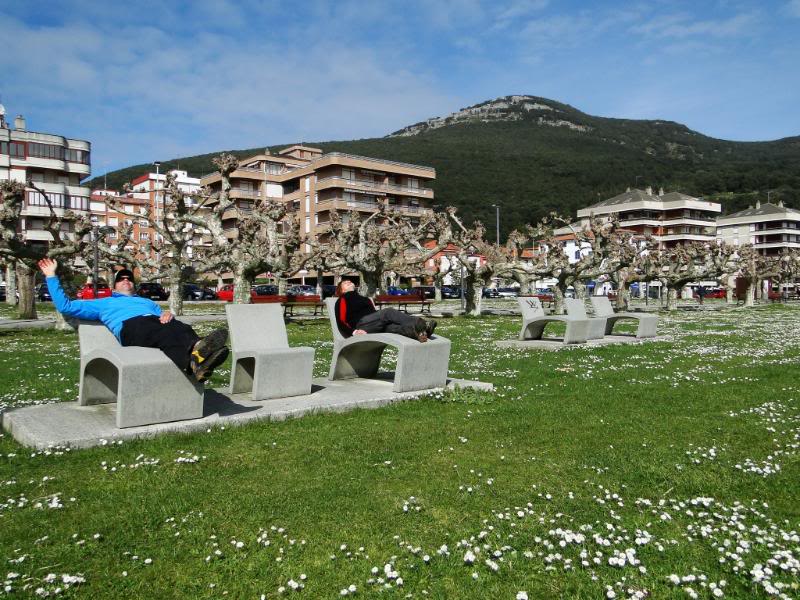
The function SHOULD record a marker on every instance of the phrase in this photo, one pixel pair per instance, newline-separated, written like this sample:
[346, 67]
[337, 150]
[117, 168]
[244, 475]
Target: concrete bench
[596, 325]
[647, 324]
[146, 385]
[263, 363]
[420, 366]
[534, 321]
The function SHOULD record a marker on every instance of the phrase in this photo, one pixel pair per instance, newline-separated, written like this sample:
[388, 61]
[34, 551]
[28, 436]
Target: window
[308, 203]
[413, 183]
[272, 168]
[3, 147]
[308, 224]
[145, 235]
[348, 174]
[113, 221]
[17, 149]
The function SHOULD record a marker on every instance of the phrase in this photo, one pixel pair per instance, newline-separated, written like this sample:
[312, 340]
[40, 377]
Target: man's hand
[359, 332]
[48, 266]
[166, 317]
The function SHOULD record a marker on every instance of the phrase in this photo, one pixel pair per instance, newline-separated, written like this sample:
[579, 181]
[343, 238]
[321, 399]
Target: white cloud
[684, 25]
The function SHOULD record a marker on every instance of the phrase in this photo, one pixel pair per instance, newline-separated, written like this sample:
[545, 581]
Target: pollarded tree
[754, 268]
[167, 255]
[682, 264]
[383, 241]
[14, 247]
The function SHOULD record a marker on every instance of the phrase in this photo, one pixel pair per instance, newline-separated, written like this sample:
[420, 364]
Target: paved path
[67, 424]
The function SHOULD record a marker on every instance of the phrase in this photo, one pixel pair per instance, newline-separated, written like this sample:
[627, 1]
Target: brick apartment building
[314, 184]
[771, 228]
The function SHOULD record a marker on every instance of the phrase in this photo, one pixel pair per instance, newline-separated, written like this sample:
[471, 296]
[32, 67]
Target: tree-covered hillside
[532, 155]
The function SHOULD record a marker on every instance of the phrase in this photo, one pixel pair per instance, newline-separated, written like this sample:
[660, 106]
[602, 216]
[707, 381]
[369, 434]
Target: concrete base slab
[543, 344]
[557, 343]
[67, 424]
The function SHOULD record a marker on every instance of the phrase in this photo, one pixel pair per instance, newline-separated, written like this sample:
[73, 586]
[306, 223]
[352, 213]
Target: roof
[765, 210]
[626, 197]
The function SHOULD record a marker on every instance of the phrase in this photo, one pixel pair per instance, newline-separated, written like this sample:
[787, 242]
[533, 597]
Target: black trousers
[391, 320]
[175, 339]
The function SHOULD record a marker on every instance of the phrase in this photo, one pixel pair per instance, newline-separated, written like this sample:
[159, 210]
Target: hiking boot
[208, 353]
[203, 370]
[431, 327]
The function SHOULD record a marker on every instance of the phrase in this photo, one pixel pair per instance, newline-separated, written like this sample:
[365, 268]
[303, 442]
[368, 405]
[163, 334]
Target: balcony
[372, 186]
[240, 193]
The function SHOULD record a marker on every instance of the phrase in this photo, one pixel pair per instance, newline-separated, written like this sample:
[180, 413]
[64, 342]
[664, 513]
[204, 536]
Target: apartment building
[670, 218]
[314, 184]
[56, 164]
[771, 228]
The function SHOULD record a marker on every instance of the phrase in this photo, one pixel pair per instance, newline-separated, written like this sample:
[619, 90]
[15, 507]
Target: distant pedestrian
[701, 293]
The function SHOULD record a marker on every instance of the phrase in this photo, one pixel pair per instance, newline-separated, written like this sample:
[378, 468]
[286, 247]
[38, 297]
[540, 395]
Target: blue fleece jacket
[111, 311]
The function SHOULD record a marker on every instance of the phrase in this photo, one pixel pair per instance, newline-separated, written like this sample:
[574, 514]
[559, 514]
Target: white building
[56, 164]
[771, 228]
[670, 218]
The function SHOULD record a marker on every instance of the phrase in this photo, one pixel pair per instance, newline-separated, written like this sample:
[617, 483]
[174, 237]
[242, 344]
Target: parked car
[711, 293]
[491, 293]
[302, 290]
[426, 291]
[2, 292]
[450, 292]
[397, 291]
[42, 293]
[87, 291]
[508, 292]
[192, 291]
[544, 294]
[265, 290]
[225, 293]
[152, 290]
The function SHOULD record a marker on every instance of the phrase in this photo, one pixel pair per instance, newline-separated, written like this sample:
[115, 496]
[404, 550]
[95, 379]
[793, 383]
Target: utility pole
[497, 223]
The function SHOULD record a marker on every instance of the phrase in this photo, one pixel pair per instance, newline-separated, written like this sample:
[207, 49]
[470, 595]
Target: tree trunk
[730, 288]
[11, 284]
[672, 298]
[241, 287]
[437, 290]
[319, 282]
[580, 290]
[283, 285]
[176, 297]
[559, 293]
[473, 294]
[66, 323]
[369, 284]
[749, 299]
[25, 278]
[623, 296]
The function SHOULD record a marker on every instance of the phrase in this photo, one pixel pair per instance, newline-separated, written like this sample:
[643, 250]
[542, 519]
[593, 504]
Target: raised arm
[81, 309]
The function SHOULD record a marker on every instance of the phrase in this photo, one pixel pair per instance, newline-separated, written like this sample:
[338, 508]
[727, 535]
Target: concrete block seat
[420, 366]
[596, 325]
[146, 385]
[263, 363]
[534, 321]
[647, 324]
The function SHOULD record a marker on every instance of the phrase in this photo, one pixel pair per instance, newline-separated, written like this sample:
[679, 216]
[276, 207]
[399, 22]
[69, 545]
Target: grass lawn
[662, 470]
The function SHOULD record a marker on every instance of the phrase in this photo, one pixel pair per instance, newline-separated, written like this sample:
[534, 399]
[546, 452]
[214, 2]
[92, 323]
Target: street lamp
[155, 186]
[497, 222]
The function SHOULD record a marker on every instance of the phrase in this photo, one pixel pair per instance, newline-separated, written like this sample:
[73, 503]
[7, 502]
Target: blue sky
[149, 80]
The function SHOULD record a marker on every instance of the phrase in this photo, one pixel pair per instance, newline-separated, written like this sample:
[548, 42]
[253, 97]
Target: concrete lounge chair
[146, 385]
[420, 366]
[596, 325]
[263, 363]
[647, 324]
[534, 321]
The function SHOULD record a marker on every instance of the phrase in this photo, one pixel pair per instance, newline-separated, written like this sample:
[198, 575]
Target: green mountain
[532, 156]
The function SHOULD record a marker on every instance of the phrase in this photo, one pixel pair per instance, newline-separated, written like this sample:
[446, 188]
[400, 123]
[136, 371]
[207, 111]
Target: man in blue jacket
[137, 321]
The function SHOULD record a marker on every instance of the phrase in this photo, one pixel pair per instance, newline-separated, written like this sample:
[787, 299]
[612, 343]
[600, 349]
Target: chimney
[660, 191]
[649, 190]
[19, 123]
[758, 203]
[780, 203]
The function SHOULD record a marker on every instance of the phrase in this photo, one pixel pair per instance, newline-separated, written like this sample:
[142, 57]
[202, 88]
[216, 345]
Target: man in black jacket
[356, 315]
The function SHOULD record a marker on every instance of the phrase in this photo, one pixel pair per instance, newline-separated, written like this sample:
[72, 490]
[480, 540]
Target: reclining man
[136, 321]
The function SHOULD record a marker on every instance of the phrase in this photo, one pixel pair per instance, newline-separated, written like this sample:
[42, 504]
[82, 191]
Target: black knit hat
[123, 273]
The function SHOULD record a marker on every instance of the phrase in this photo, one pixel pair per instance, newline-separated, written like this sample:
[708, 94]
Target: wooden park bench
[647, 324]
[263, 363]
[420, 366]
[146, 385]
[293, 302]
[403, 302]
[272, 299]
[534, 320]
